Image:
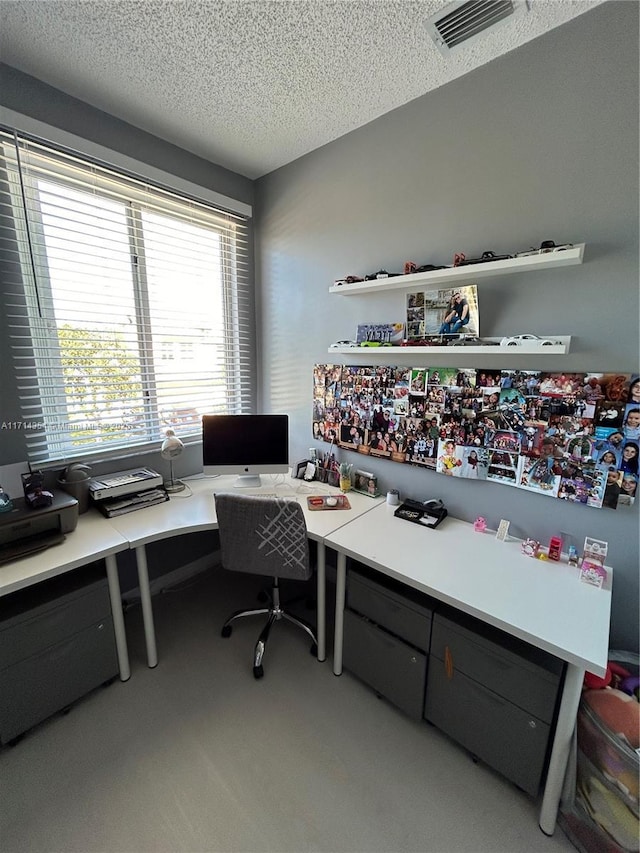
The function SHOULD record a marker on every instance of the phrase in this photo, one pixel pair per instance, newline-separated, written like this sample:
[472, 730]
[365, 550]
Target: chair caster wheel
[226, 631]
[258, 671]
[313, 651]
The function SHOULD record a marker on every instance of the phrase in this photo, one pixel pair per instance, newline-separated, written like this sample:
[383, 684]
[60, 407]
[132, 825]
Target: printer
[24, 530]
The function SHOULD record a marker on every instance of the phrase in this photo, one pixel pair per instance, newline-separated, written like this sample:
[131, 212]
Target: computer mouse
[331, 501]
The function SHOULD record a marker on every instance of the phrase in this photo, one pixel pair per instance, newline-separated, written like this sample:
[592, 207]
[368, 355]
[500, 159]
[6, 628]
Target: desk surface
[93, 539]
[543, 603]
[194, 510]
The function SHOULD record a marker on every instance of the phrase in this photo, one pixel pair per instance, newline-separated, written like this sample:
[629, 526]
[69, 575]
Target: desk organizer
[418, 513]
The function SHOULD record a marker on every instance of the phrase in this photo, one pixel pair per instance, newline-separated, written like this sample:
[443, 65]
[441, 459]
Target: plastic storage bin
[602, 815]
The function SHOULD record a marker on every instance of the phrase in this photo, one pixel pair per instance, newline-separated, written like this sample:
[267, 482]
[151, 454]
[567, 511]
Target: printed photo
[475, 463]
[503, 467]
[451, 311]
[449, 458]
[536, 475]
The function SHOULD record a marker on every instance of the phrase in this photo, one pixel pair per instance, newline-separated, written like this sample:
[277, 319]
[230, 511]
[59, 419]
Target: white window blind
[128, 308]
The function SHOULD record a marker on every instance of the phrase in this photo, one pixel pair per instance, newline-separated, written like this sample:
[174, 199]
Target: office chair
[264, 536]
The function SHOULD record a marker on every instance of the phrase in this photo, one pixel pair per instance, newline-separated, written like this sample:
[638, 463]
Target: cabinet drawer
[392, 611]
[32, 631]
[36, 687]
[502, 735]
[525, 676]
[392, 668]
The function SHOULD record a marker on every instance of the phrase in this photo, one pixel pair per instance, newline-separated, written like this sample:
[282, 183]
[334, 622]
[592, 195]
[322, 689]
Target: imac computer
[247, 445]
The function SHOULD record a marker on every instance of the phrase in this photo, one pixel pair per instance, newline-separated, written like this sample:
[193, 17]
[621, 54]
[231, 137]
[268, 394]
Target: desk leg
[321, 595]
[118, 618]
[147, 610]
[561, 746]
[341, 577]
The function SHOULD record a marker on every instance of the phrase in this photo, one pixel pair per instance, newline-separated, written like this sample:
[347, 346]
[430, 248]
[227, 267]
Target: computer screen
[247, 445]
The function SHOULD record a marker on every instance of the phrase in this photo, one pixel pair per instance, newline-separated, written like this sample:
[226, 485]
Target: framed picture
[449, 311]
[365, 482]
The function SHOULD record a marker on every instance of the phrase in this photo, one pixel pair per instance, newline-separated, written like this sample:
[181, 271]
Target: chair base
[275, 613]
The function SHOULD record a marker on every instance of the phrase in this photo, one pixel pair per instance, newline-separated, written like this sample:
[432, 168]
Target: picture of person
[448, 463]
[628, 489]
[457, 316]
[608, 458]
[612, 489]
[417, 381]
[629, 461]
[609, 414]
[631, 424]
[474, 464]
[634, 390]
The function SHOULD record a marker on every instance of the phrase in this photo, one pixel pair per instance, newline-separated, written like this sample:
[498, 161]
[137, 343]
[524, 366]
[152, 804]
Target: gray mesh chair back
[264, 536]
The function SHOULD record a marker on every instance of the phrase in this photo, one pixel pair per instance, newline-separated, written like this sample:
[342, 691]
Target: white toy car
[341, 344]
[530, 340]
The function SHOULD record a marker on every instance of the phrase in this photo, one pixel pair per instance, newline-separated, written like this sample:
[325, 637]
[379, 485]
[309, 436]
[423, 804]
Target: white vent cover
[460, 22]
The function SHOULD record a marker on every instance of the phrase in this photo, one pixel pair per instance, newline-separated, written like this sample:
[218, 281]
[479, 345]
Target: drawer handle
[448, 662]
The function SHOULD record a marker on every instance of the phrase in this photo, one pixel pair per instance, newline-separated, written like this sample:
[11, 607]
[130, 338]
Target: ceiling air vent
[460, 22]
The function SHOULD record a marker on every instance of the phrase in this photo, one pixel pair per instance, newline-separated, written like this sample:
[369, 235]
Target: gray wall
[540, 144]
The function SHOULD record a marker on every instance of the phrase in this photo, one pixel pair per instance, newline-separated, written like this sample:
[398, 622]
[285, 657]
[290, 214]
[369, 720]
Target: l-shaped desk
[542, 603]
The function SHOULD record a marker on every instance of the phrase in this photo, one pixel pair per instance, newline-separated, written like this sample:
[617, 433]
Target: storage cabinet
[495, 695]
[387, 640]
[56, 644]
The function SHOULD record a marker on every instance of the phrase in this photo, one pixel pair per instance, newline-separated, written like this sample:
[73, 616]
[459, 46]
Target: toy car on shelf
[545, 247]
[380, 274]
[340, 344]
[527, 340]
[461, 260]
[348, 279]
[375, 344]
[470, 341]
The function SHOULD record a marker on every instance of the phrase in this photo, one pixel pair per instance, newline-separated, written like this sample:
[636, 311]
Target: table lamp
[171, 448]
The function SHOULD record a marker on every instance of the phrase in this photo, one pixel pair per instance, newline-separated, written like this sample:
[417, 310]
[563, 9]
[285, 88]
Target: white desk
[542, 603]
[93, 539]
[190, 513]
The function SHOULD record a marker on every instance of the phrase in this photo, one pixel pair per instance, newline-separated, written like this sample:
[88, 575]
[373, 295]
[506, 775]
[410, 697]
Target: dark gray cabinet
[493, 694]
[386, 640]
[56, 645]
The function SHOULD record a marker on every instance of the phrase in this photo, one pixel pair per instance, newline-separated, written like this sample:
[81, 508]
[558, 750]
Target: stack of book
[130, 503]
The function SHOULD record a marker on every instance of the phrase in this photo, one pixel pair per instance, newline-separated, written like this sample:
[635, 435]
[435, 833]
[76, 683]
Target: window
[128, 307]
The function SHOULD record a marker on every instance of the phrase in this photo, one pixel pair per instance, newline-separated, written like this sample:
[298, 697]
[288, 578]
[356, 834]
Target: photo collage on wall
[571, 436]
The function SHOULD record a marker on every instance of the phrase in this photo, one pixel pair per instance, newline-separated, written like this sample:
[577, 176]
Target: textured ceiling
[250, 85]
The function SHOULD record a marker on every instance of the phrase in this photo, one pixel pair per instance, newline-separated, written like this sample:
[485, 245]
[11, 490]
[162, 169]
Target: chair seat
[264, 536]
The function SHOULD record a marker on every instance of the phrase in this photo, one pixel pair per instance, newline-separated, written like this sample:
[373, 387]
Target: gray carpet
[196, 755]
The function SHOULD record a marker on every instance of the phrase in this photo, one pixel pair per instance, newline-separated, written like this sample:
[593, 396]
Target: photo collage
[571, 436]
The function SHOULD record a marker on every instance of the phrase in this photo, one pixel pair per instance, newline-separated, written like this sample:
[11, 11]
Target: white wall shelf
[457, 276]
[526, 348]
